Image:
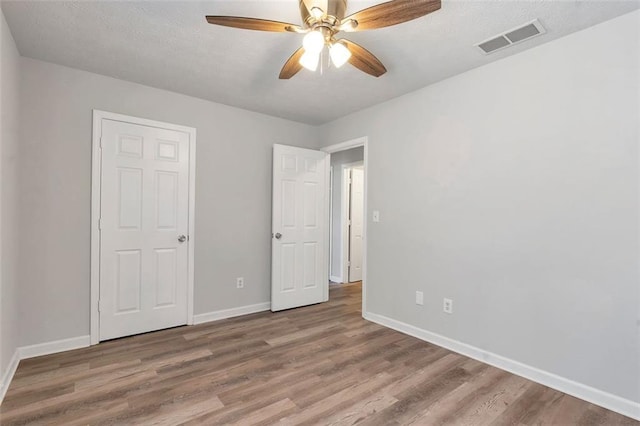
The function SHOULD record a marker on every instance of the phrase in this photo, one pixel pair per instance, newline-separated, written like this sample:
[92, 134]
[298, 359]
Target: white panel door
[299, 272]
[356, 224]
[144, 210]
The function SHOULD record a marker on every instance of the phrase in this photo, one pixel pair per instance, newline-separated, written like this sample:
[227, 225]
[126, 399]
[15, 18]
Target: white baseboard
[335, 279]
[25, 352]
[595, 396]
[54, 347]
[8, 375]
[230, 313]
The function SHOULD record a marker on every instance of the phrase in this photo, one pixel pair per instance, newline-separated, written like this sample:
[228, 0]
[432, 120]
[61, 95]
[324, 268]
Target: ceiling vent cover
[511, 37]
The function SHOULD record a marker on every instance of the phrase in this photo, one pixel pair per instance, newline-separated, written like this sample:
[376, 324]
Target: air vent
[511, 37]
[494, 44]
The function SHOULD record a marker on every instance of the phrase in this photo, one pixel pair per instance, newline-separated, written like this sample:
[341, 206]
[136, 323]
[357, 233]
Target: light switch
[376, 216]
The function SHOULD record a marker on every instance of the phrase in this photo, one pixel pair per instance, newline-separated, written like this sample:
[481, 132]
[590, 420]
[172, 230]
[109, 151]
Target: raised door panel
[128, 281]
[310, 204]
[288, 267]
[129, 188]
[166, 197]
[310, 265]
[289, 163]
[166, 277]
[167, 150]
[130, 146]
[289, 205]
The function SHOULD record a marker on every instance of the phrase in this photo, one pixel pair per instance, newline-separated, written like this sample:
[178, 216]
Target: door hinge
[100, 223]
[100, 142]
[348, 263]
[349, 222]
[99, 305]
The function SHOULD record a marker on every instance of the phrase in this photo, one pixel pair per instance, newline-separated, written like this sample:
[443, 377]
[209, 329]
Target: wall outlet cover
[447, 306]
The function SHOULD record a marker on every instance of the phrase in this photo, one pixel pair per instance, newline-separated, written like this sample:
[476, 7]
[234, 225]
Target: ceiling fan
[323, 20]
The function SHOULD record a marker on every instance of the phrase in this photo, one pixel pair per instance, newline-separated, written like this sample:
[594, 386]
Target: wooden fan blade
[392, 13]
[253, 24]
[292, 66]
[364, 60]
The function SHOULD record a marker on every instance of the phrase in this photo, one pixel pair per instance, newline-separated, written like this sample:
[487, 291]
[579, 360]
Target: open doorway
[347, 216]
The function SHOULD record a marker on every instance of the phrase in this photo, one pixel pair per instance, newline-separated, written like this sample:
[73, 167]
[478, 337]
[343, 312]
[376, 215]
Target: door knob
[278, 235]
[182, 238]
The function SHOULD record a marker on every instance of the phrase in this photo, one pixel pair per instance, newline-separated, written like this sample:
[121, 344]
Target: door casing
[96, 188]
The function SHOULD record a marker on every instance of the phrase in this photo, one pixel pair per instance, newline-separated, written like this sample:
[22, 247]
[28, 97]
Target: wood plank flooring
[321, 364]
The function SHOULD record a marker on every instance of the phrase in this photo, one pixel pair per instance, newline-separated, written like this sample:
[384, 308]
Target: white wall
[233, 193]
[337, 160]
[9, 106]
[513, 190]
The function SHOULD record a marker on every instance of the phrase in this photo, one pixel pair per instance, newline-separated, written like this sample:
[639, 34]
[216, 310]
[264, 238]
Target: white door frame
[96, 188]
[354, 143]
[345, 201]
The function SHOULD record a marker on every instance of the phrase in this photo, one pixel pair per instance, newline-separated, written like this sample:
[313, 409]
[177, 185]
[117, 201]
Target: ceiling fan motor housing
[336, 10]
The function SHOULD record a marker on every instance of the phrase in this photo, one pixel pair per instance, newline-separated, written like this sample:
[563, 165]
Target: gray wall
[337, 160]
[233, 193]
[513, 190]
[9, 94]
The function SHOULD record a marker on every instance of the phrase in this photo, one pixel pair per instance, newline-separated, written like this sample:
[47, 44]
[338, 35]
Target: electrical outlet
[419, 298]
[240, 282]
[376, 216]
[447, 306]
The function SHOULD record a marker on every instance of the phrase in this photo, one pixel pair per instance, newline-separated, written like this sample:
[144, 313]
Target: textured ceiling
[169, 45]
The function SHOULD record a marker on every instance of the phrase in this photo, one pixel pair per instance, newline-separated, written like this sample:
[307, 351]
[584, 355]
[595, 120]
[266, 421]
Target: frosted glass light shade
[310, 60]
[313, 42]
[339, 54]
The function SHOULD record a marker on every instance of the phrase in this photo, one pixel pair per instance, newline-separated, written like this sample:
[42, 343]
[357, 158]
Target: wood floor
[321, 364]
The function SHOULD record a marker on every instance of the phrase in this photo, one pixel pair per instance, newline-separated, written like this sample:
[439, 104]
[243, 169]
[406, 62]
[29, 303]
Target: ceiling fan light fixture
[310, 60]
[313, 42]
[339, 54]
